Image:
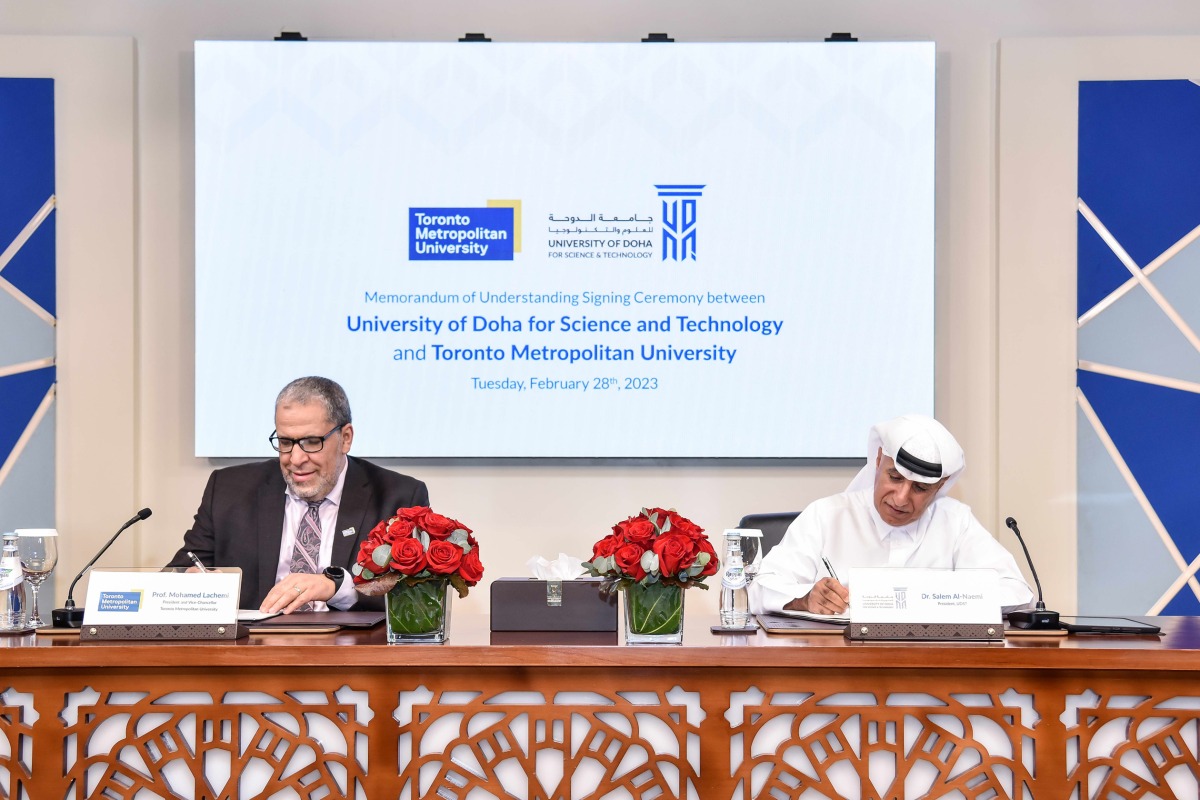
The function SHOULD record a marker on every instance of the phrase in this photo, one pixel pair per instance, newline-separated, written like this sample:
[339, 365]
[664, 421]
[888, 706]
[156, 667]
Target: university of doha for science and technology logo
[465, 234]
[493, 233]
[679, 220]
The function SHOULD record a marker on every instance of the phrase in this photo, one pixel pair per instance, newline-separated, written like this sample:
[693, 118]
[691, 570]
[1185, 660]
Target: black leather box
[528, 611]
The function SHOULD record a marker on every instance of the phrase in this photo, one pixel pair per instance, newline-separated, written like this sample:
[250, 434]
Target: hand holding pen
[196, 560]
[828, 595]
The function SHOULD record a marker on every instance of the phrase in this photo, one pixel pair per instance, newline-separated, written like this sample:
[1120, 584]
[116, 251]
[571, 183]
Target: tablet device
[1106, 625]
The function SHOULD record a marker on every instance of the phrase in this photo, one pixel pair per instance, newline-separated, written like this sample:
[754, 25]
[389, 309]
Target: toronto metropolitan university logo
[679, 220]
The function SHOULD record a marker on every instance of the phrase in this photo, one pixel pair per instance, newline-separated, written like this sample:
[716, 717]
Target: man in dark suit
[294, 524]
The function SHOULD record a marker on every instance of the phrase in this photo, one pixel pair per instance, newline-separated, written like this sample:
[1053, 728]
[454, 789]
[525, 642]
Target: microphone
[1039, 618]
[71, 617]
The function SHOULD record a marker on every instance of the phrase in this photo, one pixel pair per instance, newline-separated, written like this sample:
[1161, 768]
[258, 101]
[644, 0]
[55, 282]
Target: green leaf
[382, 555]
[417, 608]
[654, 608]
[459, 584]
[459, 537]
[422, 537]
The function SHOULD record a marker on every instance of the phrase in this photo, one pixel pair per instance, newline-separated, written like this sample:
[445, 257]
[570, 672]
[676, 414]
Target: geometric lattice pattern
[1133, 746]
[882, 746]
[16, 740]
[576, 746]
[240, 747]
[1138, 376]
[27, 302]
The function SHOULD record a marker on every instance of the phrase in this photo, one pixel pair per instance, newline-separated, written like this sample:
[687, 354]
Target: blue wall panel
[28, 303]
[1139, 169]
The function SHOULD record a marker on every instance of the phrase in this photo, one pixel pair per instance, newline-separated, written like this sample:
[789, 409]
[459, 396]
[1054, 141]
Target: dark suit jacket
[240, 520]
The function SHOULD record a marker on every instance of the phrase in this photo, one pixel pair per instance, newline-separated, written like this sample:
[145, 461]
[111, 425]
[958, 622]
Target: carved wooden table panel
[346, 715]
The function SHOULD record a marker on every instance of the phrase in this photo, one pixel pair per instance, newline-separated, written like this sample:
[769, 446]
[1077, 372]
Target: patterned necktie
[306, 554]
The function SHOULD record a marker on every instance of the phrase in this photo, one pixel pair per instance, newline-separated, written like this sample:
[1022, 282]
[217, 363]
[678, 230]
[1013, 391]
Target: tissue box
[532, 611]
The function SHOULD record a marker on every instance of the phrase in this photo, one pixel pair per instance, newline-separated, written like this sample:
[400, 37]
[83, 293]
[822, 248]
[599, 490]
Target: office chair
[772, 525]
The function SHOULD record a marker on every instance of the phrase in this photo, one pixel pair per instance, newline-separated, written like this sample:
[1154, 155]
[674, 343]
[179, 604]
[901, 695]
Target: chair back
[772, 525]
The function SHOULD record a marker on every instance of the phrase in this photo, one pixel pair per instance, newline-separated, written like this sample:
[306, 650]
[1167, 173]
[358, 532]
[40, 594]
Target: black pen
[200, 564]
[828, 567]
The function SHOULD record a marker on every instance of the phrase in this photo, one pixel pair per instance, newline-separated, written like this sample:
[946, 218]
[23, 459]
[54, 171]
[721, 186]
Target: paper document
[254, 615]
[833, 619]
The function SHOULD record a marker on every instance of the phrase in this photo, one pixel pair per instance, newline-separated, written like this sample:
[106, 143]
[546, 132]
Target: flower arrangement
[415, 546]
[657, 546]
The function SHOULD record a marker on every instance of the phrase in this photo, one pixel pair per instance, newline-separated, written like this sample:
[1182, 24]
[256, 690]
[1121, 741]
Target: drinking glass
[38, 548]
[751, 552]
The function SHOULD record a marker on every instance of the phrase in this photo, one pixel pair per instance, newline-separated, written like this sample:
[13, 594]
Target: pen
[828, 567]
[200, 565]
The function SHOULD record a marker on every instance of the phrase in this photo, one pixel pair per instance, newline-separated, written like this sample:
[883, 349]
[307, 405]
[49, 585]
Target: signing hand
[295, 590]
[826, 597]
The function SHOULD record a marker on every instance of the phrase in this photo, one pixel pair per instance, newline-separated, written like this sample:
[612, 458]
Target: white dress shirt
[847, 529]
[295, 508]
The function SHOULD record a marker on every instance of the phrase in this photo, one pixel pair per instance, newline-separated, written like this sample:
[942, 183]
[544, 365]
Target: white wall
[527, 509]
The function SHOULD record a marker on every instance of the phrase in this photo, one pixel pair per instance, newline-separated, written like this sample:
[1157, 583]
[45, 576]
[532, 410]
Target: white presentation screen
[567, 250]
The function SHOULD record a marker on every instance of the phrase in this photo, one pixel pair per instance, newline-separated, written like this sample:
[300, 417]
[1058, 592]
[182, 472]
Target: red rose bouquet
[415, 546]
[656, 546]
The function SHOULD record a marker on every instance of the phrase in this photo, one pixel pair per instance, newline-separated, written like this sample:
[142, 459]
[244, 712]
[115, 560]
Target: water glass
[38, 548]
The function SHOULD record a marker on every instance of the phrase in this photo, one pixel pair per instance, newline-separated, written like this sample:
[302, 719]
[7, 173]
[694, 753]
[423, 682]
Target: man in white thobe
[895, 513]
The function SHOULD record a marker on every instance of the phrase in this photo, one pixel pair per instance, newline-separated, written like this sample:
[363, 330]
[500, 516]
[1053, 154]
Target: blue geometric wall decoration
[1116, 526]
[1138, 379]
[28, 153]
[28, 373]
[1100, 271]
[1139, 160]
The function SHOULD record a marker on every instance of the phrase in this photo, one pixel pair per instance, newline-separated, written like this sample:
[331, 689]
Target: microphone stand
[1039, 618]
[69, 616]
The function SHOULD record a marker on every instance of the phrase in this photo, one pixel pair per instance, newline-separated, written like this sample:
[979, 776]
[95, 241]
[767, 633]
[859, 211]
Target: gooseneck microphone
[71, 617]
[1039, 618]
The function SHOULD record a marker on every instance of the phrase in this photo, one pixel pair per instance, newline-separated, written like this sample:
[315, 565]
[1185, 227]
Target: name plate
[925, 604]
[151, 604]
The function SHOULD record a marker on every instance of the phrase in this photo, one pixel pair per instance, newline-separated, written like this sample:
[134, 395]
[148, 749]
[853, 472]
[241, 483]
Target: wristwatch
[337, 575]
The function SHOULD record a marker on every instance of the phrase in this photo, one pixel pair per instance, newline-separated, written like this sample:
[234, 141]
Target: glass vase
[418, 614]
[653, 614]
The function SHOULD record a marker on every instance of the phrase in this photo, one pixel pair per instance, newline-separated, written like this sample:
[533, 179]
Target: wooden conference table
[346, 715]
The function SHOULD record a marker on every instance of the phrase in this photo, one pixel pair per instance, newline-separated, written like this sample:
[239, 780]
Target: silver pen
[828, 568]
[200, 564]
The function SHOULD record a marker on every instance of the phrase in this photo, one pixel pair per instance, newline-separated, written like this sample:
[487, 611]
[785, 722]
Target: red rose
[377, 533]
[408, 557]
[686, 527]
[471, 568]
[365, 561]
[375, 538]
[399, 528]
[629, 560]
[676, 552]
[639, 531]
[443, 557]
[607, 546]
[412, 513]
[705, 546]
[437, 526]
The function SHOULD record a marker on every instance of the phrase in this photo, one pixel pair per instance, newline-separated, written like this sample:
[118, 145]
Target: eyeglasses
[309, 444]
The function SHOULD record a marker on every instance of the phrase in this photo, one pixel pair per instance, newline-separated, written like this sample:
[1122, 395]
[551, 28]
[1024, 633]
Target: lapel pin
[348, 532]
